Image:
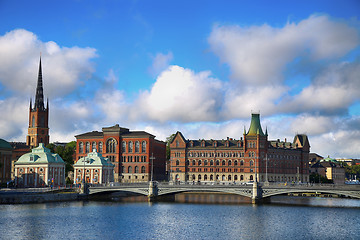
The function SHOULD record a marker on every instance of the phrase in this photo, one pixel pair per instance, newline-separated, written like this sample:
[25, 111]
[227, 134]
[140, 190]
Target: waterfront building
[331, 169]
[38, 130]
[5, 161]
[39, 168]
[19, 149]
[252, 157]
[96, 168]
[132, 152]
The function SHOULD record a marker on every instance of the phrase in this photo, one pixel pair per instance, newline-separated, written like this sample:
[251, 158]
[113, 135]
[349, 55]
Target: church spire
[39, 98]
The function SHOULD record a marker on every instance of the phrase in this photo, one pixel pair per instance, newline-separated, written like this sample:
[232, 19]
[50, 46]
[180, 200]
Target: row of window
[217, 170]
[217, 177]
[211, 162]
[218, 154]
[130, 169]
[111, 146]
[133, 158]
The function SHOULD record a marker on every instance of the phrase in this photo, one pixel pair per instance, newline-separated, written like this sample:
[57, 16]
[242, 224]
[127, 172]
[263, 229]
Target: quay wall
[39, 198]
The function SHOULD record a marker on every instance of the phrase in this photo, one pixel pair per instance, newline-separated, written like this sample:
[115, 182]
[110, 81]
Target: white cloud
[160, 63]
[181, 95]
[260, 54]
[62, 66]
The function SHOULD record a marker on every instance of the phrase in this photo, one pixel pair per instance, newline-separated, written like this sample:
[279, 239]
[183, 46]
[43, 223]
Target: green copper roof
[93, 159]
[255, 126]
[4, 144]
[38, 155]
[329, 159]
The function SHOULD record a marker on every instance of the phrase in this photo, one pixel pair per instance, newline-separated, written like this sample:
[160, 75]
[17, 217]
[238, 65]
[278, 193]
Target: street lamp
[152, 166]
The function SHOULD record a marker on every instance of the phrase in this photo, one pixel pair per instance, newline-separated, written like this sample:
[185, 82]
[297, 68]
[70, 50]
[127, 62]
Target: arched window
[33, 121]
[193, 162]
[81, 147]
[143, 146]
[177, 143]
[211, 162]
[235, 163]
[87, 147]
[123, 146]
[136, 169]
[241, 163]
[205, 177]
[187, 162]
[137, 146]
[206, 162]
[241, 177]
[129, 169]
[199, 177]
[235, 178]
[177, 162]
[111, 145]
[143, 169]
[130, 147]
[193, 176]
[251, 178]
[100, 147]
[93, 146]
[217, 162]
[229, 178]
[199, 162]
[229, 163]
[251, 163]
[223, 163]
[211, 178]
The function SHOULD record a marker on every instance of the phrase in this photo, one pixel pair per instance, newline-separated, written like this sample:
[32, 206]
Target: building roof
[93, 159]
[329, 159]
[5, 144]
[255, 126]
[124, 133]
[39, 155]
[90, 134]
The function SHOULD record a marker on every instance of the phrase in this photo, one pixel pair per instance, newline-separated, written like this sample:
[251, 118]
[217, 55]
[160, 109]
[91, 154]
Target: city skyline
[200, 68]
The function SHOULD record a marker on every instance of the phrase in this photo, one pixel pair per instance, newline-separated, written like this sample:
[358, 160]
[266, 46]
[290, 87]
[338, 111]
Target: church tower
[38, 131]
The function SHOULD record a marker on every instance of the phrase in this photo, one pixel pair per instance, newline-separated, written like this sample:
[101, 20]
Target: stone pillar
[256, 193]
[153, 191]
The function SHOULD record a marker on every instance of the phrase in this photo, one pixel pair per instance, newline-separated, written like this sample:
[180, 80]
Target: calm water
[114, 220]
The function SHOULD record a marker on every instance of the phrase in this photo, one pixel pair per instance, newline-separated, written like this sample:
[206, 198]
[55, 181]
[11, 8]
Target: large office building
[251, 158]
[135, 154]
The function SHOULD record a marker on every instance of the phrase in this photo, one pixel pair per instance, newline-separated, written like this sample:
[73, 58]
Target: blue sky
[199, 67]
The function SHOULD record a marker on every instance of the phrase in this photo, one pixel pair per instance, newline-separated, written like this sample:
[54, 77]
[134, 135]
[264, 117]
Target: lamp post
[84, 188]
[152, 166]
[266, 173]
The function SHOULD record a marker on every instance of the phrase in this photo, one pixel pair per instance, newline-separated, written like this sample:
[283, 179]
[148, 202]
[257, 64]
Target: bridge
[256, 191]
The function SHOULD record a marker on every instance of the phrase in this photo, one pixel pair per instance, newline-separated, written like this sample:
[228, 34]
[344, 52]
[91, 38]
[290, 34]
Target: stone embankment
[39, 197]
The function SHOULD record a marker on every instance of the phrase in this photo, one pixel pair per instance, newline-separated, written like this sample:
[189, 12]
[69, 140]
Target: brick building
[129, 151]
[38, 130]
[240, 160]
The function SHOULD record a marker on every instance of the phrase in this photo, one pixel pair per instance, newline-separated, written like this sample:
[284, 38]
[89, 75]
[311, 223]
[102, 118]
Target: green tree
[351, 171]
[316, 178]
[66, 153]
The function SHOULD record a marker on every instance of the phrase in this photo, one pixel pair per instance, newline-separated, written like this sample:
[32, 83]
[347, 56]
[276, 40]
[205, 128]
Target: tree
[316, 178]
[352, 171]
[168, 141]
[66, 153]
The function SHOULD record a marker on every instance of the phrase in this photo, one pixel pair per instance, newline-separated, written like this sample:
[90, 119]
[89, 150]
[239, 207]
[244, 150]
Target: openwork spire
[39, 98]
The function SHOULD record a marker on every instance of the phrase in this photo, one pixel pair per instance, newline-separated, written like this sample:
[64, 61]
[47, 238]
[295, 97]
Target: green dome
[329, 159]
[4, 144]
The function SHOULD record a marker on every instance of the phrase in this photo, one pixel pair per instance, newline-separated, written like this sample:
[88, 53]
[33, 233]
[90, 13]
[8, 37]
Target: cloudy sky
[199, 67]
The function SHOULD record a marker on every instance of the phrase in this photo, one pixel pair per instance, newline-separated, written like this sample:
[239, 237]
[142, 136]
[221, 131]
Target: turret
[255, 126]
